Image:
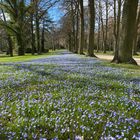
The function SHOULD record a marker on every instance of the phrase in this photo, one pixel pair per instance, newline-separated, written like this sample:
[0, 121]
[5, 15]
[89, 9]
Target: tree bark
[81, 35]
[136, 34]
[127, 33]
[102, 26]
[116, 30]
[43, 37]
[99, 32]
[90, 49]
[77, 28]
[37, 29]
[106, 29]
[73, 25]
[10, 44]
[70, 42]
[21, 49]
[32, 36]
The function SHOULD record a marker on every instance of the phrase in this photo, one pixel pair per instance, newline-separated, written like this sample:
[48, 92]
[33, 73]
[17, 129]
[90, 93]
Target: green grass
[27, 57]
[62, 101]
[61, 105]
[137, 56]
[127, 66]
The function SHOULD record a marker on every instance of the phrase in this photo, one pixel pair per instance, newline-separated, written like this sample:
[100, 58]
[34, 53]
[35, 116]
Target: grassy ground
[111, 53]
[109, 56]
[69, 97]
[126, 66]
[27, 57]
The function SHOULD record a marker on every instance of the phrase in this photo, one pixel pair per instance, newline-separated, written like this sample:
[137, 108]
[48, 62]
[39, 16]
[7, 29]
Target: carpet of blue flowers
[67, 97]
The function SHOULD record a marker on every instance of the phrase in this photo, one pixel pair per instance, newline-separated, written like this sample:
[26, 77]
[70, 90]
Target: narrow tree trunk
[136, 34]
[116, 30]
[77, 30]
[81, 35]
[20, 35]
[38, 37]
[90, 50]
[127, 33]
[73, 26]
[102, 27]
[32, 36]
[21, 49]
[10, 44]
[106, 29]
[37, 29]
[99, 32]
[43, 37]
[69, 42]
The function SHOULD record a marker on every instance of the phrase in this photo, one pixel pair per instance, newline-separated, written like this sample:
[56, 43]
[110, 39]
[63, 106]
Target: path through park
[110, 57]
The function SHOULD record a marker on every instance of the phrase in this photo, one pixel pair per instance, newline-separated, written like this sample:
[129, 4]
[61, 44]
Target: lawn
[27, 57]
[65, 96]
[112, 53]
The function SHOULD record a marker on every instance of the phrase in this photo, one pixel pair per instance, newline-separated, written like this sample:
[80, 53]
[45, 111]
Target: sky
[56, 13]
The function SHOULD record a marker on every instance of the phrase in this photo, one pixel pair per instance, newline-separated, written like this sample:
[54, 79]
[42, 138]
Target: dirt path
[110, 57]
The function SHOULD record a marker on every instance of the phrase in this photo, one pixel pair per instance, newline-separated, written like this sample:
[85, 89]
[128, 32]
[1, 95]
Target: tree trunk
[10, 44]
[99, 32]
[37, 29]
[73, 26]
[81, 35]
[127, 33]
[21, 49]
[116, 30]
[32, 36]
[70, 42]
[77, 30]
[136, 34]
[90, 50]
[102, 27]
[43, 37]
[106, 29]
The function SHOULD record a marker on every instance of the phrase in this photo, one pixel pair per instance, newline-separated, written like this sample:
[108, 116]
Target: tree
[72, 15]
[91, 8]
[127, 32]
[18, 21]
[136, 33]
[102, 25]
[32, 28]
[81, 31]
[117, 18]
[76, 27]
[10, 42]
[106, 26]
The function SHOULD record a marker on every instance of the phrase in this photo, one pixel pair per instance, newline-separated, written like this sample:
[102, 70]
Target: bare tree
[117, 19]
[81, 31]
[91, 8]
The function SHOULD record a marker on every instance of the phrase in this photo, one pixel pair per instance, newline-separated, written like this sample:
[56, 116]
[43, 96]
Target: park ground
[109, 57]
[64, 96]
